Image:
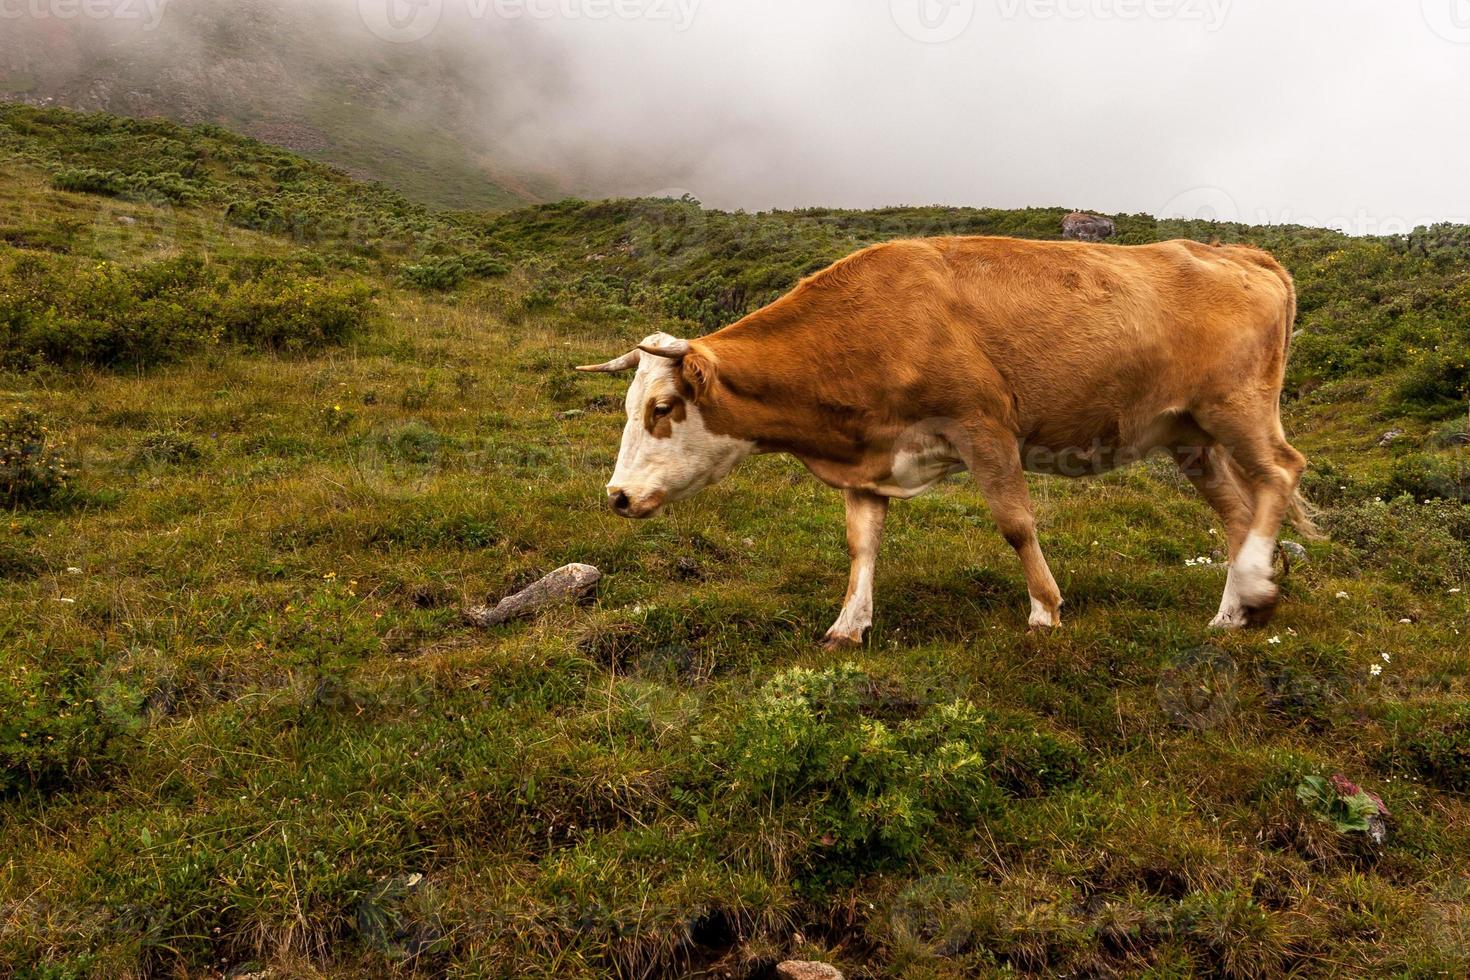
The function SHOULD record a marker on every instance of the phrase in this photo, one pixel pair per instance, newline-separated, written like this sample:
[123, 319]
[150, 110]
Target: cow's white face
[668, 453]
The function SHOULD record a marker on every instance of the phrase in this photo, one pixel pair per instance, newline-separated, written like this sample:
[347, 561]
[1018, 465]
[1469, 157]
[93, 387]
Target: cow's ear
[698, 370]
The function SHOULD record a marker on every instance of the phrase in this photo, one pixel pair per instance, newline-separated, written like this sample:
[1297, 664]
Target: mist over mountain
[1321, 114]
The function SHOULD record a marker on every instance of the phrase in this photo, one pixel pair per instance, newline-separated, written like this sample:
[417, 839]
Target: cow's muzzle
[625, 504]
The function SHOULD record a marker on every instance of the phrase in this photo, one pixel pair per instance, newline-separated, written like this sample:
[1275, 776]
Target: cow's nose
[619, 501]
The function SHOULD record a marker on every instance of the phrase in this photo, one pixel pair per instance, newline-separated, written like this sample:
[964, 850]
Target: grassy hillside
[286, 426]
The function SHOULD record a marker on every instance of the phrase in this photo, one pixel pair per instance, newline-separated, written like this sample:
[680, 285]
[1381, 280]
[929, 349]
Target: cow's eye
[662, 411]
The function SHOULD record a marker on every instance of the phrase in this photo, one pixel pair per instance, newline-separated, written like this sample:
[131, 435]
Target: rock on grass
[567, 584]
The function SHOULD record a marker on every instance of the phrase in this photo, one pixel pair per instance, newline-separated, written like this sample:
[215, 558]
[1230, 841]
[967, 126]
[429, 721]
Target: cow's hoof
[1261, 614]
[842, 641]
[1230, 619]
[1042, 618]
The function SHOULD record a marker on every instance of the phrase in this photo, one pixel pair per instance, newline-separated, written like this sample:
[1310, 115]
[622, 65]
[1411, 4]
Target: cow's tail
[1300, 511]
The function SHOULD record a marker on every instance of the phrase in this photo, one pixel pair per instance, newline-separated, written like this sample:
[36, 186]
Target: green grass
[241, 719]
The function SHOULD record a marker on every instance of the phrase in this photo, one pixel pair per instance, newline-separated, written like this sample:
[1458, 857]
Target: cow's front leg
[865, 515]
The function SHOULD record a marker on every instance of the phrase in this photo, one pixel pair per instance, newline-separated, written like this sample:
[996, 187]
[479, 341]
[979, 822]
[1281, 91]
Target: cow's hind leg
[866, 513]
[995, 461]
[1207, 467]
[1263, 461]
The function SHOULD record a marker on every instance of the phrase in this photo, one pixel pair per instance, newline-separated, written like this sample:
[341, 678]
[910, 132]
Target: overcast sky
[1342, 112]
[1351, 113]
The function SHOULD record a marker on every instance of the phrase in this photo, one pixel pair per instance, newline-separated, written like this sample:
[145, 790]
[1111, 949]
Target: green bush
[168, 447]
[1438, 383]
[55, 311]
[32, 470]
[1426, 545]
[168, 186]
[446, 272]
[866, 790]
[1425, 476]
[61, 723]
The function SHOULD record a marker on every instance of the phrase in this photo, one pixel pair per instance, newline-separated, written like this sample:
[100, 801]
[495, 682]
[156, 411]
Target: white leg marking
[1040, 615]
[1232, 611]
[1249, 582]
[857, 612]
[1254, 567]
[865, 514]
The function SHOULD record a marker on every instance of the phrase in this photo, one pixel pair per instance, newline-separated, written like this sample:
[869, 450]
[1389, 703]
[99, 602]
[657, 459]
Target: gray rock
[565, 585]
[807, 970]
[1087, 227]
[1390, 437]
[1293, 551]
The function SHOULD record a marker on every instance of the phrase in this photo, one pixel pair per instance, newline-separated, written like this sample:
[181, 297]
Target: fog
[1349, 113]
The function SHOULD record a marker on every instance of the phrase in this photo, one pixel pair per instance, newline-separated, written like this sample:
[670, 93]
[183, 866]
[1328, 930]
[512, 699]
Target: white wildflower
[1388, 658]
[1275, 640]
[1376, 669]
[1342, 595]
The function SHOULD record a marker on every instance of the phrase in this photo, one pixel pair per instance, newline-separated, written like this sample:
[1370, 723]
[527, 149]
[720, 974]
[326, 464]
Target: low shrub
[54, 311]
[168, 447]
[62, 723]
[864, 790]
[1426, 545]
[32, 470]
[447, 272]
[1438, 383]
[1426, 476]
[135, 187]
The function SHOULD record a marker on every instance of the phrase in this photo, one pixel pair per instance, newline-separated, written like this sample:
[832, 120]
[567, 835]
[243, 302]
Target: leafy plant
[1341, 803]
[869, 790]
[33, 471]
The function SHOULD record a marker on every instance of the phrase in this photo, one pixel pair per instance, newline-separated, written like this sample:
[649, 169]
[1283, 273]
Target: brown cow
[912, 360]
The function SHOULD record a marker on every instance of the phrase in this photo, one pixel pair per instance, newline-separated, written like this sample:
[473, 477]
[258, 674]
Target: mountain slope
[292, 74]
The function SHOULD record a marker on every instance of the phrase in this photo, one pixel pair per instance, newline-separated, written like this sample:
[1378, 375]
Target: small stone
[807, 970]
[1294, 551]
[123, 219]
[565, 585]
[1390, 437]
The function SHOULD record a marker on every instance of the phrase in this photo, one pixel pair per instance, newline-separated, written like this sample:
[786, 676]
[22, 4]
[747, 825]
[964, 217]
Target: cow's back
[1068, 328]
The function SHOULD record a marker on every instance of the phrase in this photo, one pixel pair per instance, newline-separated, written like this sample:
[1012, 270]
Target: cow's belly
[911, 473]
[905, 473]
[1104, 450]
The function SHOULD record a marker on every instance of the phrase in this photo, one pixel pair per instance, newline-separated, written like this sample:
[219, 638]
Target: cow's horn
[667, 348]
[627, 362]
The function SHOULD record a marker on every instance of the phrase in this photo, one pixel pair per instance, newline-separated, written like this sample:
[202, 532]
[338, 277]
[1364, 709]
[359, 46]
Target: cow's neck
[774, 388]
